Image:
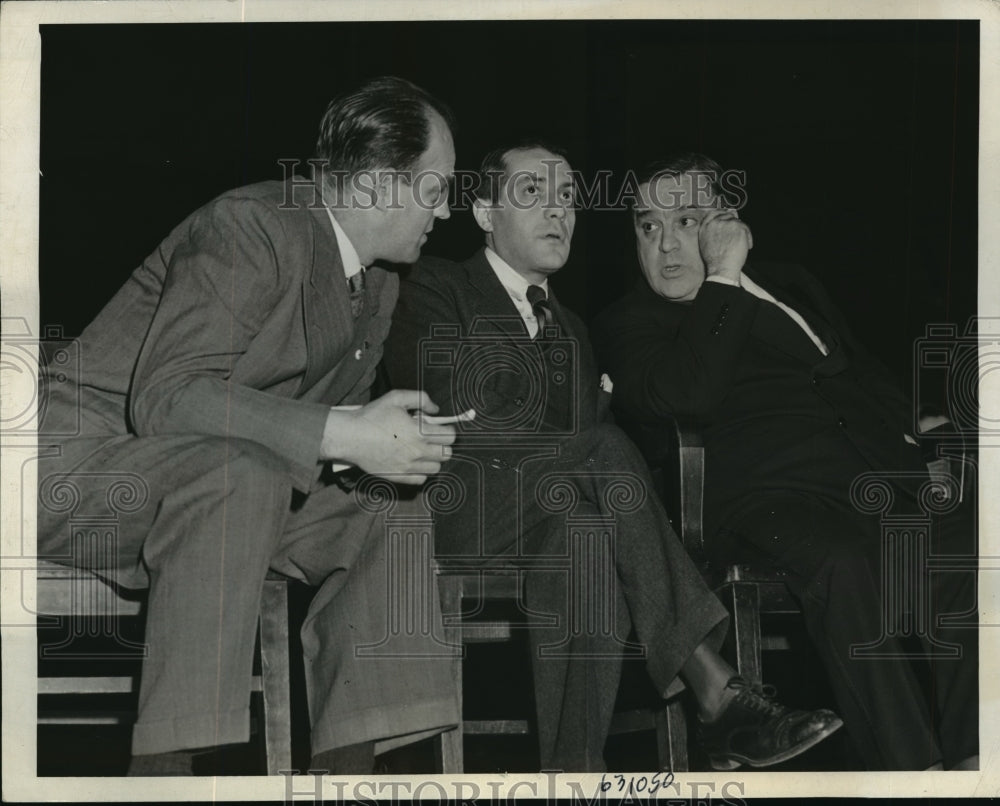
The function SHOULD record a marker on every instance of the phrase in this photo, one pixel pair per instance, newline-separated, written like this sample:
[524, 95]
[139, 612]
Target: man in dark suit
[792, 410]
[548, 484]
[219, 385]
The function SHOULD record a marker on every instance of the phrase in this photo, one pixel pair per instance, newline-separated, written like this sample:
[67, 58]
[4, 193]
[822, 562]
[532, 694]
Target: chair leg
[450, 745]
[671, 737]
[275, 675]
[449, 751]
[746, 631]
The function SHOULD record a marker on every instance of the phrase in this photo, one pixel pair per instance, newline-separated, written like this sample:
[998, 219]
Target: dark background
[859, 140]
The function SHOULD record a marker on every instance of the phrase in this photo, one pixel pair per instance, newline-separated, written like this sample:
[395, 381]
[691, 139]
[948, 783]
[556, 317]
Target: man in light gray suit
[231, 378]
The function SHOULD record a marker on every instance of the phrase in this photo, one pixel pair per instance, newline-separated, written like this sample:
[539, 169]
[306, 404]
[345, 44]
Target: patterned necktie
[356, 282]
[540, 307]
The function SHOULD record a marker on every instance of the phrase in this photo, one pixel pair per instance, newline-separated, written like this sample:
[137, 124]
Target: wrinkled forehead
[536, 165]
[670, 193]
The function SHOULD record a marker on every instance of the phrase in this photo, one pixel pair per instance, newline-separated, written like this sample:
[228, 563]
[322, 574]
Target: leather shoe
[755, 730]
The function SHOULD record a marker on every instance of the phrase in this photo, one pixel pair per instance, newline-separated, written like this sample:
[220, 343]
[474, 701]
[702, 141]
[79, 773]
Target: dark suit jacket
[457, 335]
[776, 414]
[238, 325]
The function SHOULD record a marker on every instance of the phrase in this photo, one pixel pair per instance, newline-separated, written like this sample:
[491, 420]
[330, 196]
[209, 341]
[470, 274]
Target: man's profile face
[531, 224]
[420, 198]
[667, 218]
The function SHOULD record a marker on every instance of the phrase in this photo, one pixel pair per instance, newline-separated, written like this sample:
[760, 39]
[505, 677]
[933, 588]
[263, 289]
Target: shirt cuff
[715, 278]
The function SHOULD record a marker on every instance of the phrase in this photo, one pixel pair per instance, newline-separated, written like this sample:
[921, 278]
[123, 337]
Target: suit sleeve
[675, 358]
[221, 284]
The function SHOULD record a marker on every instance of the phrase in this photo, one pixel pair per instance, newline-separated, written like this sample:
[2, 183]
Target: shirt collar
[348, 254]
[509, 278]
[753, 288]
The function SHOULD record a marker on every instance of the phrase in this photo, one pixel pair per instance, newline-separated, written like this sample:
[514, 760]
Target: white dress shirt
[517, 289]
[752, 287]
[348, 254]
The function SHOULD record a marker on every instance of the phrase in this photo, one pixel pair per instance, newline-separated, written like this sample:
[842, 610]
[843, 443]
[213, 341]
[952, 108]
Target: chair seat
[78, 594]
[755, 573]
[66, 591]
[773, 594]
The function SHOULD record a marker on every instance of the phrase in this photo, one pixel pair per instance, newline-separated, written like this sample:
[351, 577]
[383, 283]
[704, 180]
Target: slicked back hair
[683, 162]
[382, 125]
[493, 168]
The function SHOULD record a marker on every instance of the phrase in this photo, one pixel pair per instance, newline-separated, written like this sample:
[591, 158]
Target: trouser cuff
[190, 732]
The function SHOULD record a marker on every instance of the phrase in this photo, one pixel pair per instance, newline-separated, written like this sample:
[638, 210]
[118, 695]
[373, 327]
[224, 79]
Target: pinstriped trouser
[218, 516]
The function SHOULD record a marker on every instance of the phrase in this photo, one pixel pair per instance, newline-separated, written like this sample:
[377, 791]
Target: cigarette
[464, 417]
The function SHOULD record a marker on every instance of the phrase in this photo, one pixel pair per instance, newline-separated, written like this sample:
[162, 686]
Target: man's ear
[385, 189]
[483, 212]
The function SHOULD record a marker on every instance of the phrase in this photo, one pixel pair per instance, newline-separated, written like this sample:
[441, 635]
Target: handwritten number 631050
[632, 784]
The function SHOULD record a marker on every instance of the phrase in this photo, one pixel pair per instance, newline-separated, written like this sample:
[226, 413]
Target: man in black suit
[549, 485]
[792, 409]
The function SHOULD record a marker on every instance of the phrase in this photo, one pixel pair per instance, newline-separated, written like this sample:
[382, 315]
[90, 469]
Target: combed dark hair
[383, 124]
[493, 168]
[682, 162]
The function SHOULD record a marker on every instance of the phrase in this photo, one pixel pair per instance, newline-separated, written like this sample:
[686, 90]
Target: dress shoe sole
[731, 761]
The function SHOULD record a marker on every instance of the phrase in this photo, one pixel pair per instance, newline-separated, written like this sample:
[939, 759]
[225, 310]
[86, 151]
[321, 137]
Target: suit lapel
[779, 330]
[492, 310]
[326, 303]
[799, 301]
[336, 344]
[835, 360]
[494, 313]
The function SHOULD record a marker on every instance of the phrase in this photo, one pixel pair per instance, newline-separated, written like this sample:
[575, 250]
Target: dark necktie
[356, 282]
[540, 308]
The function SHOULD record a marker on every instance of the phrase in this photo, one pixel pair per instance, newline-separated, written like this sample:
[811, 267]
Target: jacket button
[518, 401]
[815, 381]
[842, 422]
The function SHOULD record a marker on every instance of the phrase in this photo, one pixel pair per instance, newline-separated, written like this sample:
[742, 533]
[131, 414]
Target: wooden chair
[94, 608]
[748, 591]
[462, 582]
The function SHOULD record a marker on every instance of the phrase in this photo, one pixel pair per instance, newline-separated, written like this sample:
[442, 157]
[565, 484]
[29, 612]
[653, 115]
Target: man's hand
[724, 241]
[385, 439]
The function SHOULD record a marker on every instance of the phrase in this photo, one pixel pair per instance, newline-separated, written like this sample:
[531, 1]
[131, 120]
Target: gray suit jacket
[238, 325]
